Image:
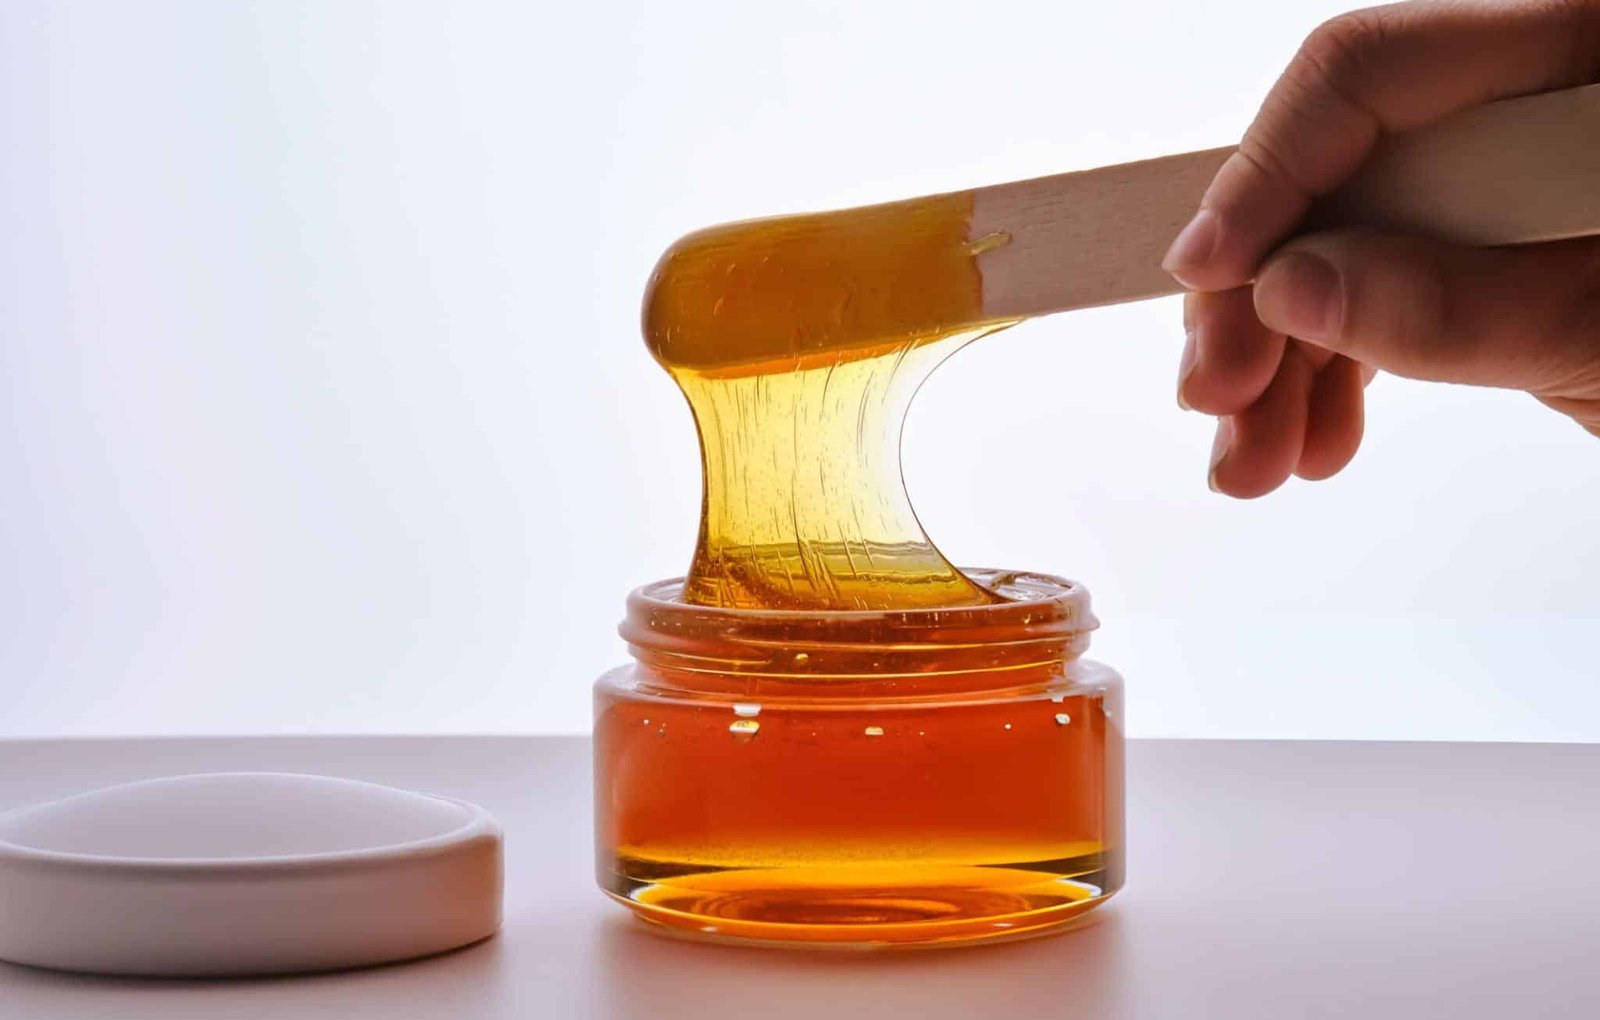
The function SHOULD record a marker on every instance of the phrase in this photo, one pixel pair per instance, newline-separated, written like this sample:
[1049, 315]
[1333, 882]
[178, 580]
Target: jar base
[865, 907]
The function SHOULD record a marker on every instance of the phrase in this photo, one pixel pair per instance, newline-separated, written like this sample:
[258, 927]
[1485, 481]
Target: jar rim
[1043, 618]
[1023, 589]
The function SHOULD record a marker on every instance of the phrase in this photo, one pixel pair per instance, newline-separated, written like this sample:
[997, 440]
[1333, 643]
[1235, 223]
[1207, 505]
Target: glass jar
[861, 778]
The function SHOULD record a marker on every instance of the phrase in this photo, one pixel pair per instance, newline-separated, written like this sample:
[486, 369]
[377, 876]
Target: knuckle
[1263, 151]
[1338, 54]
[1322, 102]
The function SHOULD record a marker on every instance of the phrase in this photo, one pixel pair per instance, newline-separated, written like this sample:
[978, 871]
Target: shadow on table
[609, 966]
[453, 983]
[1077, 973]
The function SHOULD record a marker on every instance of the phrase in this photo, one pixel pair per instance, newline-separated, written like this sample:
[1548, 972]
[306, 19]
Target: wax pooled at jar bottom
[913, 815]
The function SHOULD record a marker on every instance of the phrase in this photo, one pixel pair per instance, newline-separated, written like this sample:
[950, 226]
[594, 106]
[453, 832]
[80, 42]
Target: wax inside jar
[907, 777]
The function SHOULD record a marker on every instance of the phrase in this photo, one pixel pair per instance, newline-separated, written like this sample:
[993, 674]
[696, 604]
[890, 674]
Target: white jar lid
[245, 873]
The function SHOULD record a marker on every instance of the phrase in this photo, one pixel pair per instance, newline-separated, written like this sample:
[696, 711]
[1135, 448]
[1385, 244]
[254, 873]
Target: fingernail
[1301, 294]
[1186, 366]
[1219, 452]
[1193, 246]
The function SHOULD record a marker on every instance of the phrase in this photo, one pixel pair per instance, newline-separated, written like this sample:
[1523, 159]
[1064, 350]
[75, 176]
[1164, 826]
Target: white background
[324, 407]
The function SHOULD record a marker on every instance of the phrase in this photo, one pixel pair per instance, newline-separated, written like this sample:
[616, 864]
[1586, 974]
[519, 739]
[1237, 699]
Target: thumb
[1523, 318]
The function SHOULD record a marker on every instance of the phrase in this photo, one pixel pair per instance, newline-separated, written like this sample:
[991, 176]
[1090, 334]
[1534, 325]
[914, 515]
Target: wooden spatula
[814, 289]
[1509, 172]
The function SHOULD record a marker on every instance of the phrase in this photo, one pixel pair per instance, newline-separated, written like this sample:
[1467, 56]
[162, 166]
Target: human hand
[1283, 361]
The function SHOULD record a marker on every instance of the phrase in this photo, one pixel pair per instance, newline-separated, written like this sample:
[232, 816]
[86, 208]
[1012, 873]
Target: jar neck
[1043, 623]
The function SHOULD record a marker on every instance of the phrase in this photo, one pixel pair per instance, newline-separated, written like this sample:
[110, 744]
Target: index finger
[1356, 77]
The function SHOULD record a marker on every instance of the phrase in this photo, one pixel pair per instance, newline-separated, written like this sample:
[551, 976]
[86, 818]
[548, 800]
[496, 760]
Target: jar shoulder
[1092, 673]
[636, 680]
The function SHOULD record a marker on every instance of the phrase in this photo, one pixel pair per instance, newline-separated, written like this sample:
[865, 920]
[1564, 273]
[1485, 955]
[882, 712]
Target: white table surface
[1266, 879]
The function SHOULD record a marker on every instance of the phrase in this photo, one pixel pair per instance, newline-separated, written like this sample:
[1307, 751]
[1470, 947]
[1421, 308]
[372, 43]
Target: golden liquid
[799, 343]
[844, 820]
